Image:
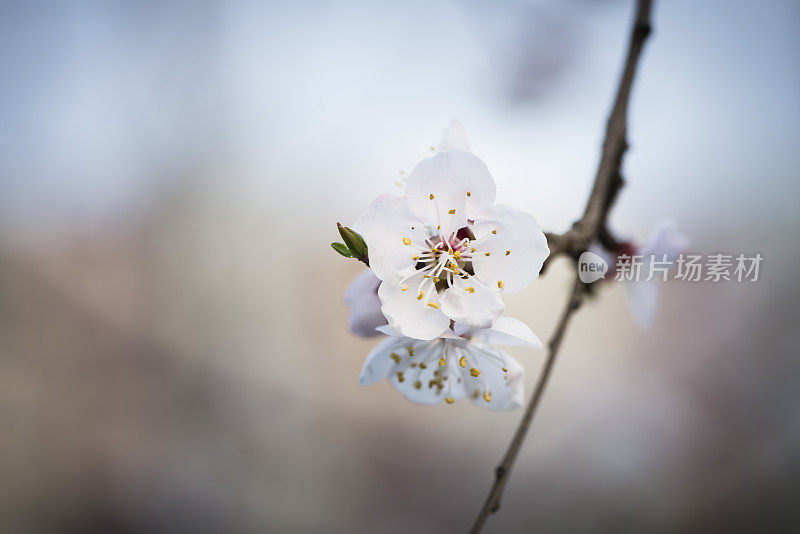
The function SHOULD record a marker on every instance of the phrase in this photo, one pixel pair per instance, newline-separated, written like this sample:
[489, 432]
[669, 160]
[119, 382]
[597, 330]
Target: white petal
[379, 362]
[507, 389]
[643, 301]
[455, 137]
[509, 331]
[409, 315]
[478, 306]
[388, 330]
[516, 251]
[421, 385]
[464, 330]
[453, 337]
[666, 239]
[447, 334]
[365, 306]
[387, 226]
[458, 181]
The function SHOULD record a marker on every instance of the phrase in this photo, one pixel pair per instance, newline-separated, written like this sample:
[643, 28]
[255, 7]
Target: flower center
[440, 259]
[450, 366]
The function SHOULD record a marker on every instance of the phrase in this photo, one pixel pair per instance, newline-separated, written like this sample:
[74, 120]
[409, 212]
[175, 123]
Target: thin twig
[503, 470]
[608, 179]
[592, 225]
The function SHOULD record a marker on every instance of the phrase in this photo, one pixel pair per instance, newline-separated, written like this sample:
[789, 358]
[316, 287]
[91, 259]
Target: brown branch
[608, 179]
[592, 225]
[503, 471]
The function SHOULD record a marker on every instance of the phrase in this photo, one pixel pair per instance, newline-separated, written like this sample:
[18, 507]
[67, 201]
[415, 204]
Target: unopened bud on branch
[354, 245]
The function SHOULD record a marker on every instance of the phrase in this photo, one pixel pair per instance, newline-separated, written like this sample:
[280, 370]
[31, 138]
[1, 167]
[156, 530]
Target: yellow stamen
[421, 294]
[431, 196]
[449, 400]
[442, 362]
[452, 211]
[504, 369]
[457, 254]
[487, 397]
[474, 372]
[433, 305]
[417, 384]
[411, 351]
[472, 249]
[500, 284]
[400, 377]
[508, 252]
[469, 194]
[439, 227]
[463, 361]
[404, 288]
[414, 257]
[435, 279]
[406, 241]
[423, 365]
[487, 254]
[494, 231]
[470, 289]
[475, 394]
[426, 276]
[395, 357]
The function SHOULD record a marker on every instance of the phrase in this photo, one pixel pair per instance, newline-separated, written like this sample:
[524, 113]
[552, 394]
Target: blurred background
[173, 346]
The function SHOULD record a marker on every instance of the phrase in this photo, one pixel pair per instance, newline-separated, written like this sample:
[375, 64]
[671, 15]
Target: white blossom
[460, 364]
[454, 137]
[663, 246]
[365, 306]
[446, 251]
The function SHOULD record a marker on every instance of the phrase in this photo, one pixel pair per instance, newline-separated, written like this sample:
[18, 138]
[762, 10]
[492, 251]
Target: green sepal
[342, 249]
[354, 241]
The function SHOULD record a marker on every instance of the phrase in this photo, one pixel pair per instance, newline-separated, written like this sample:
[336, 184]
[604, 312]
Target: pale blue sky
[317, 106]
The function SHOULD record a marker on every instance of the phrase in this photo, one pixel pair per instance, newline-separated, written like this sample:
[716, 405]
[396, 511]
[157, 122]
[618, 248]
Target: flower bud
[355, 243]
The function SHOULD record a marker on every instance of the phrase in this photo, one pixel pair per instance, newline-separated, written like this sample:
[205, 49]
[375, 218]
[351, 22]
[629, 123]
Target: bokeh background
[173, 345]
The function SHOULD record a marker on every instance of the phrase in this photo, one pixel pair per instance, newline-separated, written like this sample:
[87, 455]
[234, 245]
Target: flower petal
[407, 313]
[365, 306]
[506, 389]
[379, 362]
[455, 137]
[392, 234]
[508, 331]
[511, 249]
[472, 303]
[431, 383]
[666, 239]
[449, 188]
[388, 330]
[643, 301]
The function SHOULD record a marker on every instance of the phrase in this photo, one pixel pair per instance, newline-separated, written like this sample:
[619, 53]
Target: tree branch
[608, 179]
[592, 225]
[503, 471]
